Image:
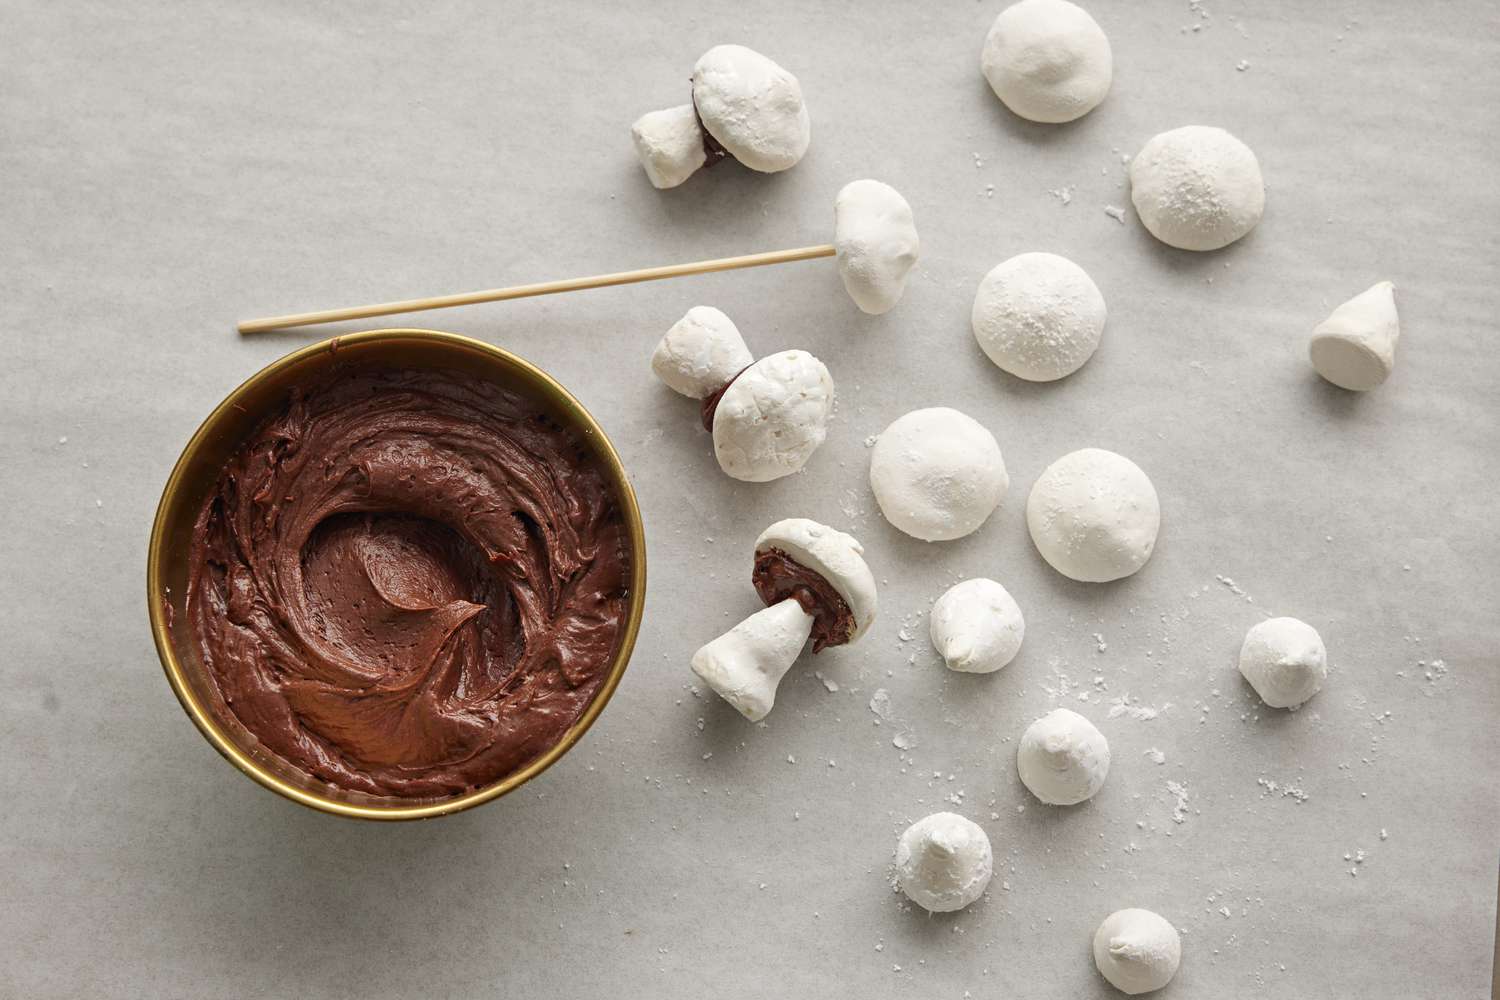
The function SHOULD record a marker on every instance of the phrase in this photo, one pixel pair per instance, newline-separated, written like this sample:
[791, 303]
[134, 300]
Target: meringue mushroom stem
[745, 664]
[543, 288]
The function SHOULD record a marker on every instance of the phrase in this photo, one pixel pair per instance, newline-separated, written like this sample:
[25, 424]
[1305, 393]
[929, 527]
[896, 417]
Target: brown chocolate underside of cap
[711, 401]
[711, 148]
[778, 576]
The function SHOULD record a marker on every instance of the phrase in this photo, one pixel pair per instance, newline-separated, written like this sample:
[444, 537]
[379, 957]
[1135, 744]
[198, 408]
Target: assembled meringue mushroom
[876, 241]
[1047, 60]
[1137, 951]
[1355, 347]
[1038, 316]
[814, 582]
[1197, 188]
[744, 106]
[1094, 516]
[1285, 661]
[944, 862]
[976, 626]
[937, 474]
[1062, 758]
[768, 416]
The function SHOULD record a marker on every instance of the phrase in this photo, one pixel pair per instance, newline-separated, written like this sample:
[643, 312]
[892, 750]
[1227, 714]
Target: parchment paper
[169, 169]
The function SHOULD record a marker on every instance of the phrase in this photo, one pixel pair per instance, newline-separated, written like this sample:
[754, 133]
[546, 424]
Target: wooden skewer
[544, 288]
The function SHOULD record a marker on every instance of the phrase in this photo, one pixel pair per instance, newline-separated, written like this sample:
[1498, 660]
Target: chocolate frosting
[410, 583]
[710, 404]
[778, 576]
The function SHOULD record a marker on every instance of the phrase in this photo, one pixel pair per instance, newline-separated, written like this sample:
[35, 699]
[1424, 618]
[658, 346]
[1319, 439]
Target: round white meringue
[976, 626]
[669, 144]
[1284, 660]
[1038, 316]
[1355, 347]
[937, 474]
[1197, 188]
[876, 241]
[1094, 516]
[944, 862]
[1048, 60]
[752, 107]
[701, 353]
[773, 417]
[1137, 951]
[1062, 758]
[833, 555]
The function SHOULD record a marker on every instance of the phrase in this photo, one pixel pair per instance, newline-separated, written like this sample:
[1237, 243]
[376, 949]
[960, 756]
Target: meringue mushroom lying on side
[768, 416]
[1355, 347]
[744, 106]
[944, 862]
[976, 626]
[876, 241]
[814, 582]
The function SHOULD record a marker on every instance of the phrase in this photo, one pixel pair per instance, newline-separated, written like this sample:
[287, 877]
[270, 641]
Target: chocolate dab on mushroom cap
[876, 241]
[815, 582]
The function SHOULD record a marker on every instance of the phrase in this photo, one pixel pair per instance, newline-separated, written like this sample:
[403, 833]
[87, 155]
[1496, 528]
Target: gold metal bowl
[198, 470]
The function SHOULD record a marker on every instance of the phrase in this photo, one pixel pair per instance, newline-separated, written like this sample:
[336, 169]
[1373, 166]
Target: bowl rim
[247, 765]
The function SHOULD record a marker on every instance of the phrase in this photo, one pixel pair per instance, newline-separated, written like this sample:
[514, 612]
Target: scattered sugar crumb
[829, 683]
[1115, 212]
[1157, 757]
[880, 703]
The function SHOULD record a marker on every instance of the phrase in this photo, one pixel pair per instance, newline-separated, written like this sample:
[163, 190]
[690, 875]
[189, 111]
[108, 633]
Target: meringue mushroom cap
[669, 144]
[752, 107]
[937, 474]
[944, 862]
[1047, 60]
[876, 241]
[773, 417]
[1094, 516]
[1137, 951]
[1038, 316]
[833, 555]
[1062, 758]
[1284, 660]
[1355, 347]
[1197, 188]
[976, 626]
[701, 353]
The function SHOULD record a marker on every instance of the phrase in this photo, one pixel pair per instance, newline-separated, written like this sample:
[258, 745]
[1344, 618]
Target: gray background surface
[168, 169]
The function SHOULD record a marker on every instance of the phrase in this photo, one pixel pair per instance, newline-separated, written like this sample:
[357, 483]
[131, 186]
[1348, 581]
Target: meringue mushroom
[768, 416]
[937, 474]
[976, 626]
[1038, 316]
[944, 862]
[1062, 758]
[669, 144]
[1197, 188]
[876, 241]
[1284, 660]
[1355, 347]
[752, 107]
[1047, 60]
[813, 581]
[1094, 516]
[1137, 951]
[744, 106]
